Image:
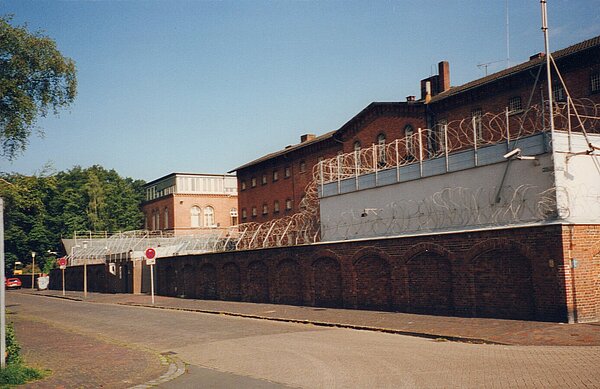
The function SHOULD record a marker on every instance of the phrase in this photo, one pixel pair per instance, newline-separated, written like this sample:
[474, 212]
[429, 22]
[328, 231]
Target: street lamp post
[32, 270]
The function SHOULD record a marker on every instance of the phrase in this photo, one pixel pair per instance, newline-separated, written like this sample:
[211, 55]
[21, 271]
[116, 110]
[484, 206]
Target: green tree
[42, 209]
[34, 78]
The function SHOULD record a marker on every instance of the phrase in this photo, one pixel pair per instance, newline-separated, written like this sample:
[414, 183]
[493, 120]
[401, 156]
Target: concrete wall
[455, 200]
[577, 178]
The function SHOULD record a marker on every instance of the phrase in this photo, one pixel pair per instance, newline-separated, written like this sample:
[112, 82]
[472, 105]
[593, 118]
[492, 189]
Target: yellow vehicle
[18, 269]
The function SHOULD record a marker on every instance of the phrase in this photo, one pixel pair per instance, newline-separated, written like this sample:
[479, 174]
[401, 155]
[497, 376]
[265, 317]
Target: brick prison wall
[515, 273]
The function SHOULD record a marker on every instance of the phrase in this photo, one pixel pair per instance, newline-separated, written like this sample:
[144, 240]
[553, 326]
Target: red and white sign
[62, 262]
[150, 255]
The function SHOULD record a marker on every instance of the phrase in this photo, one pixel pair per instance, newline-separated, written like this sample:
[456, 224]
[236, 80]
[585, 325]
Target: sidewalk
[478, 330]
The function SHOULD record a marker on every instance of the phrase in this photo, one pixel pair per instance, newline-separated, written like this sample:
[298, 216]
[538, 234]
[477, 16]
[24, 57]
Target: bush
[13, 349]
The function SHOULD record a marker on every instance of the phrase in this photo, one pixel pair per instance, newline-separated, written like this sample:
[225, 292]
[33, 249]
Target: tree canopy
[42, 209]
[34, 78]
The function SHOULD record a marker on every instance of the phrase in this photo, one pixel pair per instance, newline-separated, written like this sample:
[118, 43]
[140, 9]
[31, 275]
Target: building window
[275, 175]
[265, 209]
[381, 160]
[287, 172]
[264, 179]
[209, 217]
[243, 185]
[166, 218]
[356, 146]
[302, 166]
[276, 206]
[253, 182]
[409, 142]
[514, 104]
[595, 82]
[440, 135]
[254, 212]
[195, 215]
[288, 204]
[558, 93]
[234, 216]
[244, 213]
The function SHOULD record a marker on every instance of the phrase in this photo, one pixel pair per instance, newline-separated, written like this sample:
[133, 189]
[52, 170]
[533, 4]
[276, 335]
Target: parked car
[13, 283]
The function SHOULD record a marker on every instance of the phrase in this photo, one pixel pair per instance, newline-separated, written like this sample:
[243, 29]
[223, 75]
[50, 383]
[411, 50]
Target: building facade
[184, 204]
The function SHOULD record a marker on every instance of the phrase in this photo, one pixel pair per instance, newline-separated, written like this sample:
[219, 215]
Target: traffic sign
[62, 262]
[150, 253]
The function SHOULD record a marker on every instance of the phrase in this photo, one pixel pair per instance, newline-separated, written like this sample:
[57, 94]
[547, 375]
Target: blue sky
[206, 86]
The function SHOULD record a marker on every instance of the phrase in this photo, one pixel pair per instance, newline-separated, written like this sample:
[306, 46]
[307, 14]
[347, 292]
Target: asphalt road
[224, 351]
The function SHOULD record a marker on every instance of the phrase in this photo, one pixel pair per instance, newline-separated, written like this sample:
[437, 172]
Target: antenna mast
[548, 69]
[507, 39]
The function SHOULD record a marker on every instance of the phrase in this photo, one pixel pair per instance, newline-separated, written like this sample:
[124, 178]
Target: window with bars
[595, 82]
[514, 104]
[381, 160]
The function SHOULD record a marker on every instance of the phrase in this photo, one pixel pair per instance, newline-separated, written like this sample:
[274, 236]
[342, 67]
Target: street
[225, 351]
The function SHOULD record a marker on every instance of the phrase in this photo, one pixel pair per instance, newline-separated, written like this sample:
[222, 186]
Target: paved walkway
[510, 332]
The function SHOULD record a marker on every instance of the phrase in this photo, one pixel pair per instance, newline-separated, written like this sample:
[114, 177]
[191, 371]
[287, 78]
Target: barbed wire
[450, 207]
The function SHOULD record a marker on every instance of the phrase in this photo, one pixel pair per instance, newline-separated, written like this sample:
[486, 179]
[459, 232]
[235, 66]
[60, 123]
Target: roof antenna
[507, 39]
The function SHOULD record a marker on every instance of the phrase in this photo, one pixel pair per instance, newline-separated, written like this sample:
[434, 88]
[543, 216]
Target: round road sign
[150, 253]
[62, 261]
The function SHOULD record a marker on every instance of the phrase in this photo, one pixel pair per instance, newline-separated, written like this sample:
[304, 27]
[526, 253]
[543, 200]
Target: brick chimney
[307, 137]
[444, 74]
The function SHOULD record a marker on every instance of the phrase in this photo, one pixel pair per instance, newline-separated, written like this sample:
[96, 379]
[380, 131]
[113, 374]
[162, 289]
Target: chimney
[536, 56]
[427, 91]
[307, 137]
[410, 99]
[444, 74]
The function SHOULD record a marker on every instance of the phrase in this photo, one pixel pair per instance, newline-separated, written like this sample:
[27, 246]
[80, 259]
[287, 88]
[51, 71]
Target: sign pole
[152, 282]
[63, 281]
[150, 255]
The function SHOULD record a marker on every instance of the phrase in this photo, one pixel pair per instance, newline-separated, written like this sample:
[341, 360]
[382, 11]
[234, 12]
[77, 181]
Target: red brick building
[273, 185]
[183, 203]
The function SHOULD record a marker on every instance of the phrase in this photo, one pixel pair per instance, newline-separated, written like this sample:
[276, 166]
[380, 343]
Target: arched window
[209, 217]
[195, 214]
[381, 149]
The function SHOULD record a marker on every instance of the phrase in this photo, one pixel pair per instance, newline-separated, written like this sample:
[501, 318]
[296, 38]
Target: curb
[425, 335]
[176, 368]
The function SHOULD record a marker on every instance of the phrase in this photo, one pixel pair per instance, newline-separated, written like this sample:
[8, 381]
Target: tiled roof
[287, 150]
[576, 48]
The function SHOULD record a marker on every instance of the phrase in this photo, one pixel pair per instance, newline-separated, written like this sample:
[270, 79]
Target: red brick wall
[514, 273]
[292, 187]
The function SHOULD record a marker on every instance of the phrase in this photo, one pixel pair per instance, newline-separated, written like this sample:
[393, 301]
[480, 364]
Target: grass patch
[18, 374]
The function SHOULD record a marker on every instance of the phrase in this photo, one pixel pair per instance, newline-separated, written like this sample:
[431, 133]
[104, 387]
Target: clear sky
[206, 86]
